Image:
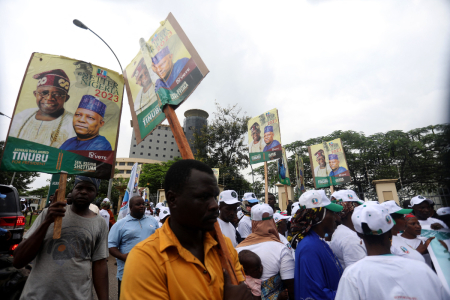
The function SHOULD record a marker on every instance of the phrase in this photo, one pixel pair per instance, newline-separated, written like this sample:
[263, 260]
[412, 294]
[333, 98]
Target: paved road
[112, 271]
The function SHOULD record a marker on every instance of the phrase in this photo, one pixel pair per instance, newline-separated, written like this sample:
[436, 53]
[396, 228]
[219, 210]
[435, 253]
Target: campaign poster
[54, 184]
[216, 174]
[299, 171]
[328, 164]
[166, 70]
[283, 170]
[66, 118]
[264, 138]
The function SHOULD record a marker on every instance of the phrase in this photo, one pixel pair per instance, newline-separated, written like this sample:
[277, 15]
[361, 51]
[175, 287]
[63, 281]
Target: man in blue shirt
[87, 121]
[128, 232]
[268, 139]
[334, 165]
[164, 67]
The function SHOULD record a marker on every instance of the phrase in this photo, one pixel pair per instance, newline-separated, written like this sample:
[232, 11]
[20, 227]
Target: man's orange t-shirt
[160, 268]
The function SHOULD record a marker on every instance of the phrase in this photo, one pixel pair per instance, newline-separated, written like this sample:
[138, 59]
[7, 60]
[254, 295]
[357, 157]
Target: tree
[42, 191]
[152, 175]
[21, 179]
[224, 141]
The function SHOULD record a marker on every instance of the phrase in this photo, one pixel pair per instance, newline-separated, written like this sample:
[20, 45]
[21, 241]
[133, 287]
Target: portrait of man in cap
[146, 95]
[268, 139]
[334, 164]
[82, 73]
[322, 170]
[48, 124]
[164, 67]
[257, 144]
[87, 121]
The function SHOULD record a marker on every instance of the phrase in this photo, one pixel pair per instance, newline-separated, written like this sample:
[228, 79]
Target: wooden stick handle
[266, 182]
[225, 259]
[61, 198]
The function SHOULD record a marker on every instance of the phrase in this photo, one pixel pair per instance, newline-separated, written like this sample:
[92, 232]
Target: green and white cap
[258, 211]
[376, 216]
[316, 199]
[346, 196]
[393, 207]
[229, 197]
[419, 199]
[164, 212]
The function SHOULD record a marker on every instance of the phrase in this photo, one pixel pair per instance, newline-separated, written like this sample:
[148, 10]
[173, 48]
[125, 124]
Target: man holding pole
[62, 267]
[183, 254]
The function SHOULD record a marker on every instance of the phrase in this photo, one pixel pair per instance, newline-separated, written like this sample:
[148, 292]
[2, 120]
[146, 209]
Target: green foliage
[418, 155]
[42, 191]
[21, 179]
[152, 175]
[225, 142]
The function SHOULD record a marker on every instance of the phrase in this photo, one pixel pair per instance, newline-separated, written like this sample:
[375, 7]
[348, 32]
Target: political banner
[299, 171]
[328, 164]
[216, 174]
[283, 170]
[54, 183]
[266, 147]
[439, 255]
[130, 191]
[145, 195]
[166, 70]
[66, 118]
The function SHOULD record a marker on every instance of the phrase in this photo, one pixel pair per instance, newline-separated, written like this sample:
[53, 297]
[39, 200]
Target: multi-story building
[160, 145]
[125, 164]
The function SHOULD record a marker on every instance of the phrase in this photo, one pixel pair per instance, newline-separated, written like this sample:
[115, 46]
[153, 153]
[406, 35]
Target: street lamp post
[80, 24]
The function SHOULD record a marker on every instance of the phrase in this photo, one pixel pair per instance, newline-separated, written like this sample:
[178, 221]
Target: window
[164, 155]
[134, 145]
[171, 156]
[171, 149]
[122, 163]
[134, 152]
[128, 171]
[171, 143]
[157, 141]
[151, 133]
[150, 141]
[130, 163]
[164, 149]
[158, 134]
[157, 148]
[167, 128]
[142, 146]
[141, 153]
[149, 154]
[159, 127]
[172, 135]
[121, 171]
[149, 147]
[165, 142]
[165, 135]
[156, 155]
[178, 150]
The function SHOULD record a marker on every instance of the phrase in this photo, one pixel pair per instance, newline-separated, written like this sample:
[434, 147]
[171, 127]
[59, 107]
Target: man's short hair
[179, 173]
[268, 194]
[132, 200]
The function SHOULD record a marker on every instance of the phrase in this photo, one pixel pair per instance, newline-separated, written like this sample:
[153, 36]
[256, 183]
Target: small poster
[299, 171]
[328, 164]
[264, 138]
[283, 170]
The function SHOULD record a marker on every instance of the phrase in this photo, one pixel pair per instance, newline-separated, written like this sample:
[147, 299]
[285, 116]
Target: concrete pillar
[282, 198]
[386, 190]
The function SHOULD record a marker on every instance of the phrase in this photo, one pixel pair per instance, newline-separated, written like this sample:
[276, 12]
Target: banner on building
[283, 170]
[132, 189]
[328, 164]
[54, 183]
[264, 138]
[216, 174]
[66, 118]
[166, 70]
[299, 171]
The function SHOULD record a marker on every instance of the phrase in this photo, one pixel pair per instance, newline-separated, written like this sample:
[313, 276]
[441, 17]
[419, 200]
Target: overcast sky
[369, 66]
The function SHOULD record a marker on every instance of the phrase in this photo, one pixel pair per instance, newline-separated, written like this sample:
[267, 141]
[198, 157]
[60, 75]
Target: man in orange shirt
[182, 254]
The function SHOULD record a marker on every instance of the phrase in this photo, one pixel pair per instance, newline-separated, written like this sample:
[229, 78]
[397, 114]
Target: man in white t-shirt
[245, 224]
[228, 203]
[422, 210]
[103, 212]
[382, 275]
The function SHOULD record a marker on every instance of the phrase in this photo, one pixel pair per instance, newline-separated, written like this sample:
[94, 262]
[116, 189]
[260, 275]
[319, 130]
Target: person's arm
[29, 247]
[114, 239]
[100, 277]
[117, 254]
[287, 271]
[289, 285]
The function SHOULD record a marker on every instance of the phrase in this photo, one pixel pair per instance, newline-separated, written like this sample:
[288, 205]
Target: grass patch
[27, 221]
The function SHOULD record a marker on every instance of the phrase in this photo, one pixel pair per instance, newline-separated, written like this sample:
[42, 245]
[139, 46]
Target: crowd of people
[319, 248]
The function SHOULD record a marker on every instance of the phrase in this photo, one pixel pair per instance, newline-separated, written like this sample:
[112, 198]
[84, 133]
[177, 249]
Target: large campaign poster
[66, 118]
[328, 164]
[166, 70]
[283, 170]
[264, 138]
[299, 171]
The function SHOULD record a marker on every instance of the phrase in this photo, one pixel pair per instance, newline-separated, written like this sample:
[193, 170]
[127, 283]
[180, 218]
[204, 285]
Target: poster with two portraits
[166, 70]
[66, 118]
[328, 164]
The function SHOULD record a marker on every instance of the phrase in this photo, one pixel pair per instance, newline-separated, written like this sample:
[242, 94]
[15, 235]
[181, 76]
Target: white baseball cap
[159, 205]
[393, 207]
[229, 197]
[164, 212]
[22, 199]
[419, 199]
[106, 200]
[316, 199]
[443, 211]
[250, 197]
[346, 196]
[240, 214]
[278, 217]
[376, 216]
[295, 207]
[258, 211]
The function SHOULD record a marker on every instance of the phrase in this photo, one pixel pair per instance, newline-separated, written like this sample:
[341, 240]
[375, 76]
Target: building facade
[125, 164]
[159, 146]
[194, 122]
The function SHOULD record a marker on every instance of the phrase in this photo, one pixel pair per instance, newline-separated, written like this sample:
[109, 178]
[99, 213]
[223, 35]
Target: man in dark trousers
[62, 268]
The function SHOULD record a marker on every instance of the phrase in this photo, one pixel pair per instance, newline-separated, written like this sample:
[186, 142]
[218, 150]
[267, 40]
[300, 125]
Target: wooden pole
[287, 195]
[61, 198]
[267, 183]
[186, 153]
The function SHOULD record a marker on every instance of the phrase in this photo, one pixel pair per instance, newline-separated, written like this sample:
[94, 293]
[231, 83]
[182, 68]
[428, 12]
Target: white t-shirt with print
[105, 215]
[390, 277]
[284, 240]
[275, 257]
[245, 226]
[427, 223]
[400, 248]
[414, 243]
[347, 245]
[228, 230]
